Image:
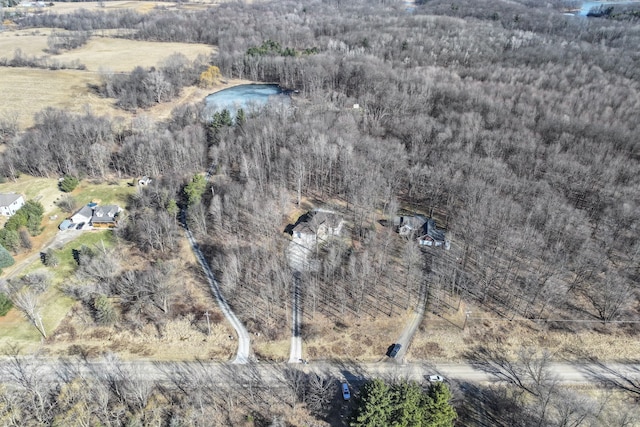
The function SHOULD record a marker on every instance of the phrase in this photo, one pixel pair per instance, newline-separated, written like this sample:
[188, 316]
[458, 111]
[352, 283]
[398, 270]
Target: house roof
[7, 199]
[412, 222]
[85, 211]
[107, 211]
[308, 222]
[429, 229]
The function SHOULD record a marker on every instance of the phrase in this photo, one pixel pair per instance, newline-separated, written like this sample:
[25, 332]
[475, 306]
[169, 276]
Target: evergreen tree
[195, 189]
[406, 400]
[6, 259]
[438, 409]
[5, 304]
[374, 407]
[68, 183]
[105, 312]
[240, 117]
[51, 259]
[10, 239]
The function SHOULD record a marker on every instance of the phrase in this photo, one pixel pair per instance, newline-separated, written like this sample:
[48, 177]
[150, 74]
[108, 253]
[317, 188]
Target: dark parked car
[394, 351]
[79, 226]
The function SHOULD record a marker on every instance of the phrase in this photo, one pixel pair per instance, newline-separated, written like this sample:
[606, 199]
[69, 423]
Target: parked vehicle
[435, 379]
[394, 351]
[346, 394]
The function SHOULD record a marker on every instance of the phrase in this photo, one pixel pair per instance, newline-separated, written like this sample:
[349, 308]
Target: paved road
[244, 344]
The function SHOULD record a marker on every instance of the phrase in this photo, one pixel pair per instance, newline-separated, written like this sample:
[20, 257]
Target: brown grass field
[138, 6]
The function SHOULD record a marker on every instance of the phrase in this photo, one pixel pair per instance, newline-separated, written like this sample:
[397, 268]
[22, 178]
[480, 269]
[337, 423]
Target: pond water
[248, 97]
[588, 5]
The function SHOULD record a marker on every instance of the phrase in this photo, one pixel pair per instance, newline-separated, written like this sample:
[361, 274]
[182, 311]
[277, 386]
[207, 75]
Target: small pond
[247, 97]
[589, 5]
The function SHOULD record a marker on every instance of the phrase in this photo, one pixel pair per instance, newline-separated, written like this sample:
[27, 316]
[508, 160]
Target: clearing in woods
[33, 89]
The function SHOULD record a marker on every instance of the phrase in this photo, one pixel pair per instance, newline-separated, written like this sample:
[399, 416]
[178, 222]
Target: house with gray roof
[423, 229]
[10, 203]
[317, 225]
[97, 216]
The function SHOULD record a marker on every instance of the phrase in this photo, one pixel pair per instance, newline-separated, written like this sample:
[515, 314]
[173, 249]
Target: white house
[83, 215]
[10, 203]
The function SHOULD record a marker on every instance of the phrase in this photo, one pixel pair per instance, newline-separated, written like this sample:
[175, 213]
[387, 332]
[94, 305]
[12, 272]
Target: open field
[99, 52]
[31, 90]
[138, 6]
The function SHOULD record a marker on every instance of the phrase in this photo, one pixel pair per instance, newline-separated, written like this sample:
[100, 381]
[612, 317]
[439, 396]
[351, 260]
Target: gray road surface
[273, 374]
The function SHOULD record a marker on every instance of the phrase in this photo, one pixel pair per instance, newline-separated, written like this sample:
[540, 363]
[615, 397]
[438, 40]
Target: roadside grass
[363, 339]
[441, 338]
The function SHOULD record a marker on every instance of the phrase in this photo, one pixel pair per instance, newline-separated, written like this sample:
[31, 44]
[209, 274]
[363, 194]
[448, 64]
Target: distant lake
[588, 5]
[247, 97]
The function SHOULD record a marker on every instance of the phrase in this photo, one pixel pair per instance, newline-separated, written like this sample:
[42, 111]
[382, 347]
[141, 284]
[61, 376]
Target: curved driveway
[244, 344]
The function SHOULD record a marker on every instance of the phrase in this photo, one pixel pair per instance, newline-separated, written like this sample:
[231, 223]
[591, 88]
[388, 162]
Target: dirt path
[244, 344]
[410, 329]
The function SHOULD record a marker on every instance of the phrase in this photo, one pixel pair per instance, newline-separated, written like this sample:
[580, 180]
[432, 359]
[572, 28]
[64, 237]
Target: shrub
[5, 304]
[105, 313]
[50, 259]
[68, 183]
[6, 259]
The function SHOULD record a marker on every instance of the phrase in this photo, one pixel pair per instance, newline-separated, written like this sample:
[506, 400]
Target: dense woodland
[514, 125]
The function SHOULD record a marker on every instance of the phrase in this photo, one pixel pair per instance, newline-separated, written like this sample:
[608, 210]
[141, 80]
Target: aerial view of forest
[320, 213]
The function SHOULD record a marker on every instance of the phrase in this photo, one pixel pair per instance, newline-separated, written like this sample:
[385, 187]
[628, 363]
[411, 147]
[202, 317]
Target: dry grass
[32, 90]
[441, 338]
[362, 339]
[138, 6]
[183, 338]
[124, 55]
[101, 51]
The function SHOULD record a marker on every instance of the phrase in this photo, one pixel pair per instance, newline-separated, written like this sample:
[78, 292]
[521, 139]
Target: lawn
[14, 328]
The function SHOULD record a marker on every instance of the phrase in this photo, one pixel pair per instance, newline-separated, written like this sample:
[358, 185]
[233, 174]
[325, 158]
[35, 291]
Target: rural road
[244, 344]
[56, 371]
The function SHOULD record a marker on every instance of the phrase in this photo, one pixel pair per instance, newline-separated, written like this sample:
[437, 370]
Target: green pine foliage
[68, 183]
[6, 259]
[5, 304]
[438, 409]
[105, 313]
[29, 216]
[274, 48]
[404, 404]
[408, 408]
[195, 189]
[374, 407]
